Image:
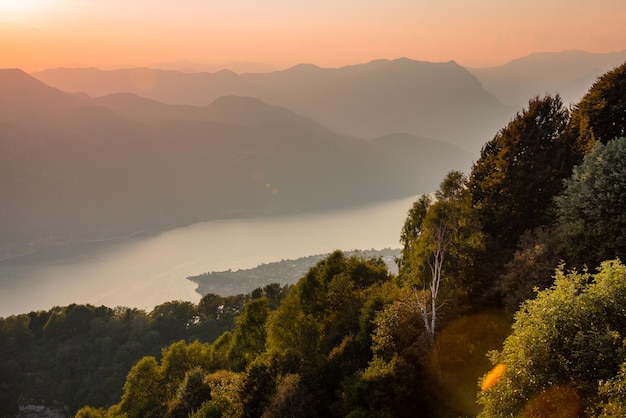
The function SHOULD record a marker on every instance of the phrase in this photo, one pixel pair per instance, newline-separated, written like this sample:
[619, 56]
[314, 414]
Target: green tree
[601, 113]
[173, 319]
[143, 391]
[190, 395]
[218, 314]
[411, 231]
[520, 171]
[591, 208]
[399, 330]
[250, 334]
[225, 400]
[289, 399]
[613, 395]
[564, 343]
[179, 358]
[91, 412]
[444, 250]
[386, 389]
[531, 268]
[291, 329]
[324, 306]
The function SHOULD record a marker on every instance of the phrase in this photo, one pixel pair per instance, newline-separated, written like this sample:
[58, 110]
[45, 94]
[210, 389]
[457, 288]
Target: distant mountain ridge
[436, 100]
[75, 168]
[156, 148]
[442, 100]
[569, 73]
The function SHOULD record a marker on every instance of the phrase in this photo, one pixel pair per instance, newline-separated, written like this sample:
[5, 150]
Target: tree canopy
[601, 113]
[520, 171]
[564, 343]
[591, 208]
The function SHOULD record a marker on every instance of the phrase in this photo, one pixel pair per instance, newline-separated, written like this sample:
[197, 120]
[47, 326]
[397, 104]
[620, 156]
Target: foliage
[324, 306]
[399, 330]
[564, 343]
[447, 241]
[349, 339]
[386, 389]
[591, 208]
[224, 400]
[412, 229]
[81, 354]
[600, 116]
[520, 171]
[143, 391]
[250, 334]
[290, 400]
[613, 395]
[190, 395]
[530, 269]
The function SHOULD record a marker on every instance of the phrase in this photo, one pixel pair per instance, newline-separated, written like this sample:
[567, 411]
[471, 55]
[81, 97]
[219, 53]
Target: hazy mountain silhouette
[236, 110]
[239, 67]
[569, 73]
[436, 100]
[73, 167]
[173, 87]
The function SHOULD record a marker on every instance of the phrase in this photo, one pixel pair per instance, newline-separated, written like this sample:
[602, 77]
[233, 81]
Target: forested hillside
[510, 300]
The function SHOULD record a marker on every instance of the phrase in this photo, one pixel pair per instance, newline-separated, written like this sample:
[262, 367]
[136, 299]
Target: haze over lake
[143, 272]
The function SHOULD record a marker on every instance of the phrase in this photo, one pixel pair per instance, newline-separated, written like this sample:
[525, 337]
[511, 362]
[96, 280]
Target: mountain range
[445, 101]
[569, 73]
[73, 167]
[434, 100]
[90, 154]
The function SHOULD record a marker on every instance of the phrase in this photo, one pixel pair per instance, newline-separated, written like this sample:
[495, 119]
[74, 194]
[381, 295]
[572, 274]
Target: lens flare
[493, 377]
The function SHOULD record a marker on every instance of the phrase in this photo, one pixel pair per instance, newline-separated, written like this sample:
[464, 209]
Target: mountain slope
[569, 73]
[436, 100]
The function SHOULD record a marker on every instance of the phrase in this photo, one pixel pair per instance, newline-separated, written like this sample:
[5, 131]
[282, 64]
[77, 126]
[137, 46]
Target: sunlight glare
[10, 8]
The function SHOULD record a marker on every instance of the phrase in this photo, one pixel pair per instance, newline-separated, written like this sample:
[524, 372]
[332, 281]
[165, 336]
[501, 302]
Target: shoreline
[54, 247]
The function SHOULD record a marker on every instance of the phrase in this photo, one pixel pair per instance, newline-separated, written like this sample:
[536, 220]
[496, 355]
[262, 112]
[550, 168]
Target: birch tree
[443, 249]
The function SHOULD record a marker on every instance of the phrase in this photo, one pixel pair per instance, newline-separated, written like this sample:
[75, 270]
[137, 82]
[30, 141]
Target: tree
[250, 334]
[173, 319]
[225, 400]
[564, 343]
[449, 237]
[531, 268]
[591, 208]
[190, 395]
[179, 358]
[386, 389]
[411, 231]
[601, 113]
[143, 391]
[613, 395]
[291, 329]
[91, 412]
[289, 400]
[520, 171]
[324, 306]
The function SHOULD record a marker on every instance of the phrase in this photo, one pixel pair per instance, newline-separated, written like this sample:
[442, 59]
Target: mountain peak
[18, 86]
[12, 76]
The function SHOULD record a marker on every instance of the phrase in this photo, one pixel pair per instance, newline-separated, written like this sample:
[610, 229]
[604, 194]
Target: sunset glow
[39, 34]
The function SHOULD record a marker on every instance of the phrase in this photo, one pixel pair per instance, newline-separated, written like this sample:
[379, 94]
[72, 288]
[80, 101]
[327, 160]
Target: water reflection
[147, 270]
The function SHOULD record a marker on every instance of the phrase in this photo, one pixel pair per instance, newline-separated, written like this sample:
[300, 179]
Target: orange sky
[39, 34]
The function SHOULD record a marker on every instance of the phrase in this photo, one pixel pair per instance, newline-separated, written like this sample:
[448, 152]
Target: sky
[40, 34]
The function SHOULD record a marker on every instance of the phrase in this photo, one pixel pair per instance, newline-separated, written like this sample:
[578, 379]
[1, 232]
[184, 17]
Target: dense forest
[510, 300]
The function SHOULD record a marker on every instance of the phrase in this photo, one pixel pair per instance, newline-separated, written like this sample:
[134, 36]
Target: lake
[144, 271]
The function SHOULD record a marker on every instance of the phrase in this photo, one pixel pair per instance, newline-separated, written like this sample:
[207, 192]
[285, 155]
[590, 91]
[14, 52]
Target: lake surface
[145, 271]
